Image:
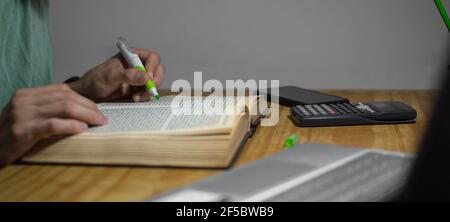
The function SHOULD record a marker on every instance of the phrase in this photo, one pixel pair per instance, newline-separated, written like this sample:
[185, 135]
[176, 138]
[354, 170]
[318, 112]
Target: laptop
[317, 172]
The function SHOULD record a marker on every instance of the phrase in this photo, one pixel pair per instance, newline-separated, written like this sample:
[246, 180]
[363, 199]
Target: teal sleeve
[25, 46]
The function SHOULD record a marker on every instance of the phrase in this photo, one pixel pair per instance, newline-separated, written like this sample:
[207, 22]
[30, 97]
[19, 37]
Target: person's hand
[36, 113]
[115, 80]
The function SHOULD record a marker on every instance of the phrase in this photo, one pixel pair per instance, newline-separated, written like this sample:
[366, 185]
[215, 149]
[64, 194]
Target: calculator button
[311, 110]
[304, 111]
[319, 109]
[329, 109]
[343, 107]
[357, 110]
[351, 108]
[297, 111]
[337, 108]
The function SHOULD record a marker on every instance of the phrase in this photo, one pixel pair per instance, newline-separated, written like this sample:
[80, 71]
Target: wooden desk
[93, 183]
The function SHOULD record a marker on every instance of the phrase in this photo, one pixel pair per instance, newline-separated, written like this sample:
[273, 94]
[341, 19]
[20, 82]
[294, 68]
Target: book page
[159, 116]
[164, 101]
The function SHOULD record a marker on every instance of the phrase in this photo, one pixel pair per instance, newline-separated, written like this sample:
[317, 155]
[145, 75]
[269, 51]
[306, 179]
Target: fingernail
[83, 126]
[103, 119]
[140, 77]
[137, 98]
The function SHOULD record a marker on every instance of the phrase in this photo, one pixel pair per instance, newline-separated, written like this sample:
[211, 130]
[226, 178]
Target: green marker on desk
[134, 61]
[290, 141]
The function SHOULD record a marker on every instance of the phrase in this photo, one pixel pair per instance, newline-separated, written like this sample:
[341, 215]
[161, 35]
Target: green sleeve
[25, 46]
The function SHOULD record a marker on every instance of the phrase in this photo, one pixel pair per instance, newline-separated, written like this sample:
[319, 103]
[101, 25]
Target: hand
[37, 113]
[115, 80]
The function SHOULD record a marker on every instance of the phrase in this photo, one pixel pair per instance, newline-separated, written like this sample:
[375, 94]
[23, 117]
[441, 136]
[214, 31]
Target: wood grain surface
[19, 182]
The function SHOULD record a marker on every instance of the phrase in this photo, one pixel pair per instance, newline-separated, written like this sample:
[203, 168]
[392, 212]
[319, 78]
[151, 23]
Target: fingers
[57, 101]
[150, 59]
[47, 96]
[58, 127]
[123, 92]
[41, 112]
[41, 90]
[131, 77]
[68, 109]
[106, 79]
[55, 96]
[158, 75]
[140, 94]
[135, 77]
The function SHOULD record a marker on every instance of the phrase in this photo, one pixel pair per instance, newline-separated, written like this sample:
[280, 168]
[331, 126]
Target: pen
[134, 61]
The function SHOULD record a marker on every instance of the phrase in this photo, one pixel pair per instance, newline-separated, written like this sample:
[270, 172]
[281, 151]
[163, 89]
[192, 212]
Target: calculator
[340, 114]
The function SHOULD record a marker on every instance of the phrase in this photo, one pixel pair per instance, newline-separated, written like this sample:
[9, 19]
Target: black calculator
[339, 114]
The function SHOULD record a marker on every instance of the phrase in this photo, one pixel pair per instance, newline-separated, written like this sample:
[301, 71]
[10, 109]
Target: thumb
[131, 77]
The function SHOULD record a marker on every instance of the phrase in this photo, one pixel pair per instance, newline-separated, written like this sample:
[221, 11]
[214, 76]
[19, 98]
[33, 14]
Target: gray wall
[370, 44]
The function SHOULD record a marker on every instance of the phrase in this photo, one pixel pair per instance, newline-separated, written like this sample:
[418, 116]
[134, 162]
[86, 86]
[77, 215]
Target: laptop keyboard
[368, 177]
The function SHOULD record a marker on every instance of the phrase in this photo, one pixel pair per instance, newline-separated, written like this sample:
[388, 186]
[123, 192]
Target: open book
[157, 133]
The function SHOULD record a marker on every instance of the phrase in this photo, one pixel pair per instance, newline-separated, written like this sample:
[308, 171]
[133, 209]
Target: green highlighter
[149, 84]
[290, 141]
[134, 61]
[443, 13]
